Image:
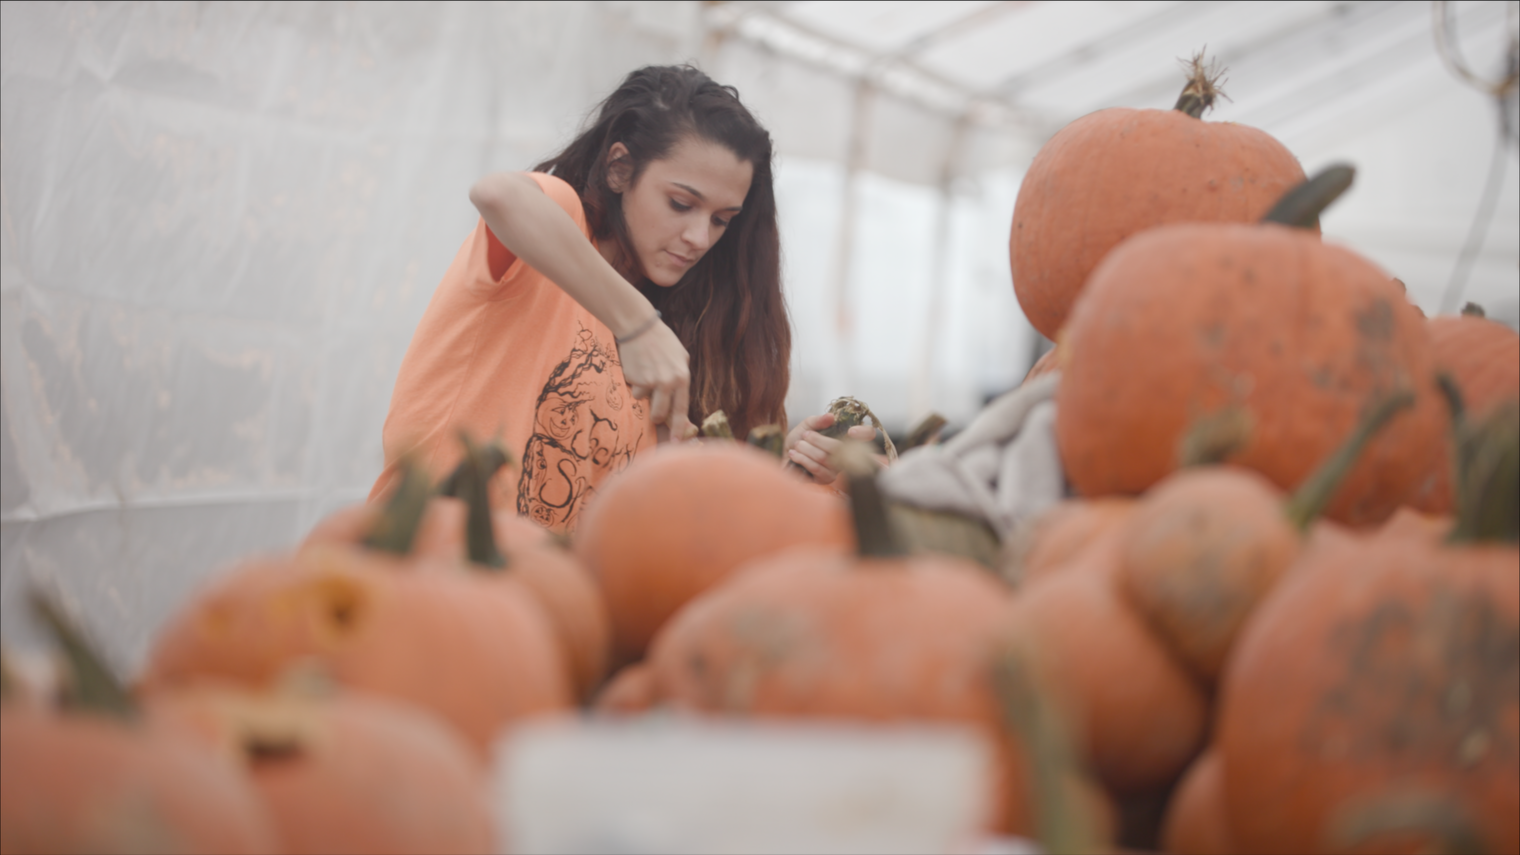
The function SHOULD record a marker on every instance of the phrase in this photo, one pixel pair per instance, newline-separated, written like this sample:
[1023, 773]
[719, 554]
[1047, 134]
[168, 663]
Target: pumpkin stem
[770, 439]
[1300, 207]
[1311, 497]
[716, 426]
[479, 464]
[92, 687]
[1487, 464]
[925, 432]
[1062, 822]
[396, 527]
[874, 535]
[7, 682]
[1202, 87]
[1473, 310]
[1214, 438]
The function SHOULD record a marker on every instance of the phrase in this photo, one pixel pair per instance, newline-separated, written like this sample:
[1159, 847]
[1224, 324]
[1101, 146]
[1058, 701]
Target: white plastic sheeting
[222, 221]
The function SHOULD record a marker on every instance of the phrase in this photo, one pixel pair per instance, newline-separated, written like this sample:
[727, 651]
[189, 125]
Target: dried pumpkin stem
[770, 439]
[479, 464]
[93, 687]
[1202, 87]
[1311, 497]
[395, 529]
[8, 683]
[716, 426]
[925, 432]
[1300, 207]
[874, 534]
[1486, 458]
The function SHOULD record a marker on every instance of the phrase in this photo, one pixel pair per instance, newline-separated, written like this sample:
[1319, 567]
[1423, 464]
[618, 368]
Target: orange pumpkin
[1188, 321]
[1387, 670]
[1117, 172]
[1483, 358]
[1195, 821]
[347, 772]
[630, 691]
[680, 519]
[1066, 530]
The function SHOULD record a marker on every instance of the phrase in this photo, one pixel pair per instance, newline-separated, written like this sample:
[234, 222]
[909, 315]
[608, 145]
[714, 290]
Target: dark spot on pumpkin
[1376, 321]
[262, 750]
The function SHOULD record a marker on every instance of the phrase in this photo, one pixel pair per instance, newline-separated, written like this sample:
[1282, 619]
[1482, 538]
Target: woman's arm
[538, 231]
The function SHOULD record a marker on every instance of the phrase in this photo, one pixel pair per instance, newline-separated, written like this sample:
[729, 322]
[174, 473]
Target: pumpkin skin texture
[824, 634]
[1483, 357]
[347, 773]
[1187, 321]
[1203, 547]
[1117, 172]
[1140, 714]
[1376, 669]
[679, 520]
[479, 652]
[1071, 528]
[86, 783]
[1195, 821]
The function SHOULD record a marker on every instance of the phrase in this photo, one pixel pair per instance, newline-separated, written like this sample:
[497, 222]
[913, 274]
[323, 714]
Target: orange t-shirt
[517, 357]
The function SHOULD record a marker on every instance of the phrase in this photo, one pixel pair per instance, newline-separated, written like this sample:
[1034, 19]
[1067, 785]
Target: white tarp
[219, 223]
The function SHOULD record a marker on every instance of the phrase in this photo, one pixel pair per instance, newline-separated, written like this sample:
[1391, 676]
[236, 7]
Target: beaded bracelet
[643, 328]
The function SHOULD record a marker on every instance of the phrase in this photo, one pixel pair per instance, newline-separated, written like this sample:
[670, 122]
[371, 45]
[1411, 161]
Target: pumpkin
[1386, 671]
[1207, 543]
[1068, 528]
[680, 519]
[1190, 321]
[1483, 358]
[1049, 361]
[630, 691]
[873, 635]
[1195, 821]
[480, 652]
[98, 777]
[1119, 171]
[345, 772]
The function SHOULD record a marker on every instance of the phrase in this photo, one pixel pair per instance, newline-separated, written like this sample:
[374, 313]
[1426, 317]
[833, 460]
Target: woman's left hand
[813, 451]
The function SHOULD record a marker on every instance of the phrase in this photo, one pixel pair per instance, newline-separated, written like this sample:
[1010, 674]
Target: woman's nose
[699, 234]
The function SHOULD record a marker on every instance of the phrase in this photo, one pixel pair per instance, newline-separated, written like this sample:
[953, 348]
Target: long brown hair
[728, 310]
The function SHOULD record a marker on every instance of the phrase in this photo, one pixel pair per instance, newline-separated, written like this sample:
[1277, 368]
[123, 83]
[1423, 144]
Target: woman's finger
[659, 406]
[679, 423]
[812, 466]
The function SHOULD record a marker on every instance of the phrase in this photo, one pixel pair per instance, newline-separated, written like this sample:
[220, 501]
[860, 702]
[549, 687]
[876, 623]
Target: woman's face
[681, 204]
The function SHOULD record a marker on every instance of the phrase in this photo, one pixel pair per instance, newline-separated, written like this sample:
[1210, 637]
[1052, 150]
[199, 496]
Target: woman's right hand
[657, 367]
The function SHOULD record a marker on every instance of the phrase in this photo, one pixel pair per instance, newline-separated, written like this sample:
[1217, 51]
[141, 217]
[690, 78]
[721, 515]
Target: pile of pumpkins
[1281, 612]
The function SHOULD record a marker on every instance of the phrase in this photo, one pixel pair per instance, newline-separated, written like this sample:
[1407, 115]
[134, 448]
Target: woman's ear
[619, 168]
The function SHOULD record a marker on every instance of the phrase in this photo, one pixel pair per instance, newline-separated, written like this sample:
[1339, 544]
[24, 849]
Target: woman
[625, 288]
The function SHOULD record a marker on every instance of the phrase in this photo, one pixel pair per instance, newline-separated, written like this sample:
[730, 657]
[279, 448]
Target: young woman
[623, 290]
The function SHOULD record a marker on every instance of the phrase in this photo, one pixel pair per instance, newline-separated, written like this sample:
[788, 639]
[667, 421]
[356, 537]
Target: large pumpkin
[1119, 171]
[679, 520]
[1187, 322]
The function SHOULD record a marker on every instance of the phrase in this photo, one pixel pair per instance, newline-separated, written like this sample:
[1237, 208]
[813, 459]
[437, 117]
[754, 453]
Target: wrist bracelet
[643, 328]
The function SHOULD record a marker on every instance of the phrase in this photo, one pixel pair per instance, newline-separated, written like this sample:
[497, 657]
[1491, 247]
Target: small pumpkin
[682, 518]
[1116, 172]
[1195, 822]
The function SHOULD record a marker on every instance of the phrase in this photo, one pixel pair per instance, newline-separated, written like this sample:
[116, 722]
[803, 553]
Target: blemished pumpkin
[1119, 171]
[1195, 822]
[480, 652]
[1386, 671]
[343, 771]
[1189, 321]
[681, 519]
[872, 635]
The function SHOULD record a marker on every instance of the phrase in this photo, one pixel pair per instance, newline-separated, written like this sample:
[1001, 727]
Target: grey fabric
[1004, 467]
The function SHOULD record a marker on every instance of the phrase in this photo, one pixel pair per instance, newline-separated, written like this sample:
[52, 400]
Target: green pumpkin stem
[1202, 88]
[394, 530]
[1311, 497]
[874, 533]
[770, 439]
[477, 468]
[1300, 207]
[92, 686]
[1062, 822]
[716, 426]
[1486, 477]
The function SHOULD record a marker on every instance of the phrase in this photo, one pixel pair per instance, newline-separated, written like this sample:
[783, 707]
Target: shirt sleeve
[498, 257]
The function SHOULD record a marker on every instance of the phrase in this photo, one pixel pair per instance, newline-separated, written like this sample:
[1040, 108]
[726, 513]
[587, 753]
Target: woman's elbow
[489, 193]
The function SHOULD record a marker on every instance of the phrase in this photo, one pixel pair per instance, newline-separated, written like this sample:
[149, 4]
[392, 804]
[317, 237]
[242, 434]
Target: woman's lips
[681, 259]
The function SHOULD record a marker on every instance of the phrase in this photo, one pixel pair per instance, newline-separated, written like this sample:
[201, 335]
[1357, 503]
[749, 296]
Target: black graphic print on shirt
[577, 437]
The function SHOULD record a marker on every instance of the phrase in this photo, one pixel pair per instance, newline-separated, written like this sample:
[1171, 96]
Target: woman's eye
[678, 206]
[722, 224]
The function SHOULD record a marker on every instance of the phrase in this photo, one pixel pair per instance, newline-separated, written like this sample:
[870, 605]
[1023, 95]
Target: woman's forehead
[706, 170]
